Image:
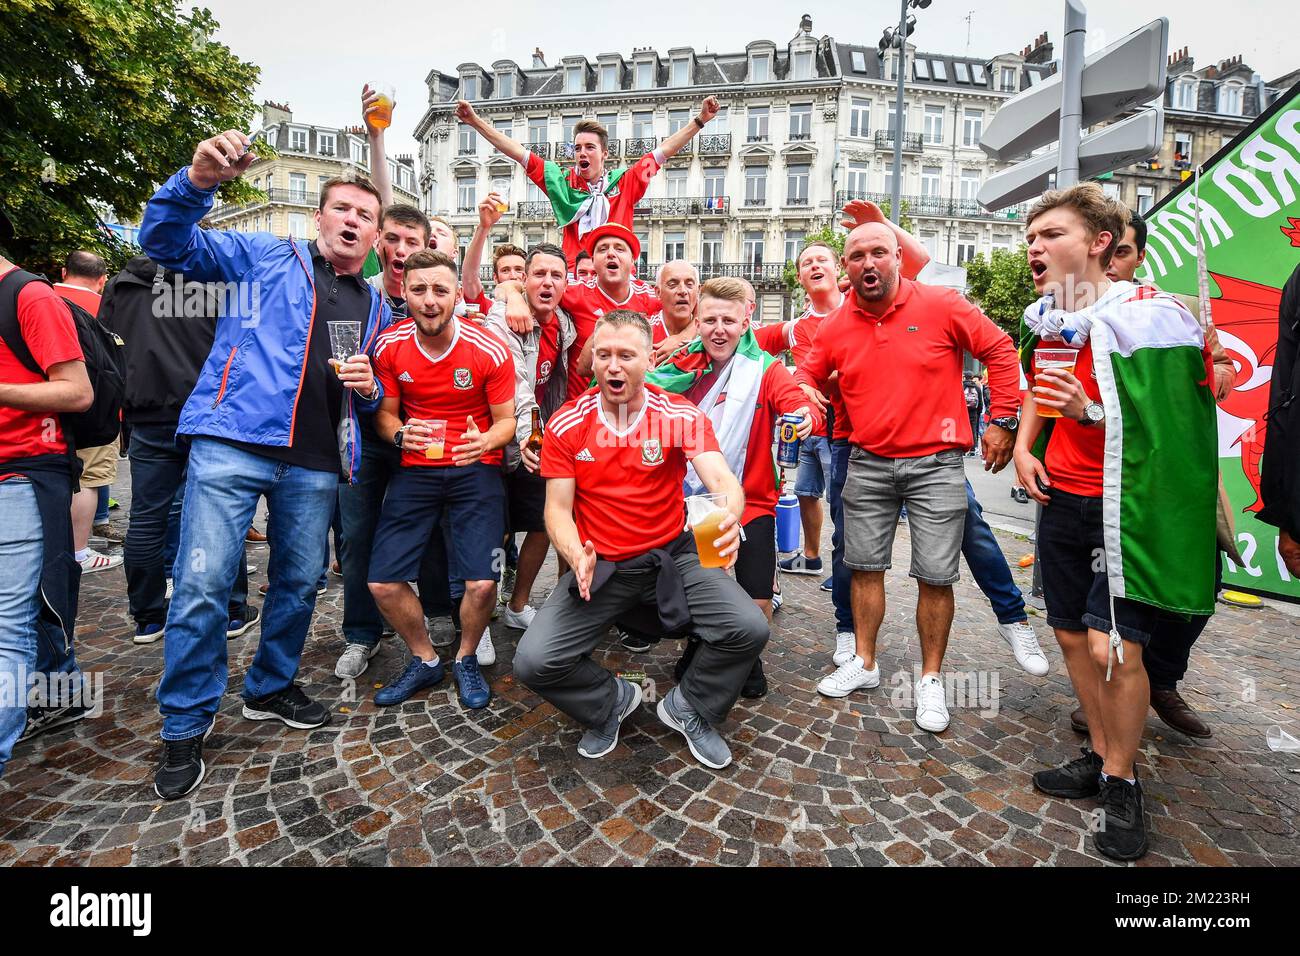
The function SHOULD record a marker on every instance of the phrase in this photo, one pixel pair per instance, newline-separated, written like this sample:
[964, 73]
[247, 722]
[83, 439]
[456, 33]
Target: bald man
[898, 348]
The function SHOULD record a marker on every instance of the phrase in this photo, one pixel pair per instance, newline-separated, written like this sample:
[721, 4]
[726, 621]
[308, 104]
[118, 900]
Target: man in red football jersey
[615, 460]
[441, 376]
[678, 288]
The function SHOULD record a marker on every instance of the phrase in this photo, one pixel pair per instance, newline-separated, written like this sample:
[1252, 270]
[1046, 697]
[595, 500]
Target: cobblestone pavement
[815, 781]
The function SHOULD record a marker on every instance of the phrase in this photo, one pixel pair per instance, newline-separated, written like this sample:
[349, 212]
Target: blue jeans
[359, 507]
[841, 576]
[22, 549]
[988, 566]
[157, 492]
[222, 489]
[101, 509]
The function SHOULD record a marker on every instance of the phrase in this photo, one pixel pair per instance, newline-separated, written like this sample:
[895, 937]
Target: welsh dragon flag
[1160, 469]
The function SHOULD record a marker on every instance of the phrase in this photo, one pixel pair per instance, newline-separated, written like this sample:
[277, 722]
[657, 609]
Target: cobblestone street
[815, 781]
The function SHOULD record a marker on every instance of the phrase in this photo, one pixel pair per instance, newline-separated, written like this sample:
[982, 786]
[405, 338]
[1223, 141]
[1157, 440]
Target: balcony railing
[563, 151]
[540, 149]
[684, 206]
[465, 149]
[936, 206]
[288, 197]
[534, 210]
[795, 137]
[797, 201]
[613, 149]
[715, 144]
[636, 148]
[759, 203]
[885, 140]
[756, 138]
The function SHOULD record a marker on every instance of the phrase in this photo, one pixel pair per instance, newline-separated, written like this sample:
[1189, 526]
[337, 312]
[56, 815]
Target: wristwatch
[1010, 422]
[1093, 413]
[398, 436]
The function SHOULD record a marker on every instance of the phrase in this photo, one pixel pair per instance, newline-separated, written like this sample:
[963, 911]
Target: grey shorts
[934, 489]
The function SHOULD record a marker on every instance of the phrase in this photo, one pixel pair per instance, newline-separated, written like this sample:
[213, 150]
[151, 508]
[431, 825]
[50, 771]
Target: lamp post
[898, 38]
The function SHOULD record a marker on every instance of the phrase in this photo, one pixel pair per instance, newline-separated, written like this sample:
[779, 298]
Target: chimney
[1180, 61]
[805, 23]
[539, 59]
[273, 113]
[1041, 52]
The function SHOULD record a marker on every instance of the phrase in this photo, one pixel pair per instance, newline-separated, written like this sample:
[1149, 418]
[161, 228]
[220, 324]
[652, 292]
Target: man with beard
[268, 416]
[614, 460]
[744, 391]
[438, 368]
[588, 196]
[674, 324]
[890, 342]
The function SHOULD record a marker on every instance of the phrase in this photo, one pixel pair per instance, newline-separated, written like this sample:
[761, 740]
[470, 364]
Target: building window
[857, 180]
[573, 80]
[681, 72]
[972, 127]
[608, 77]
[537, 127]
[1230, 99]
[674, 246]
[859, 117]
[921, 69]
[320, 183]
[889, 177]
[970, 183]
[718, 125]
[505, 86]
[710, 249]
[1183, 149]
[715, 181]
[796, 185]
[937, 68]
[801, 121]
[1008, 76]
[677, 119]
[298, 140]
[758, 117]
[297, 225]
[755, 185]
[752, 249]
[1111, 189]
[298, 187]
[466, 140]
[794, 240]
[803, 65]
[931, 242]
[535, 194]
[933, 129]
[977, 74]
[566, 128]
[859, 61]
[760, 68]
[643, 125]
[360, 152]
[1146, 199]
[1185, 94]
[327, 143]
[466, 197]
[675, 183]
[930, 180]
[610, 122]
[1002, 242]
[965, 248]
[645, 76]
[469, 87]
[643, 260]
[962, 70]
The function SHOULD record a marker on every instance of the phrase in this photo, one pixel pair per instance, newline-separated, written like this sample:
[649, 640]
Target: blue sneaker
[471, 688]
[416, 677]
[147, 633]
[826, 585]
[801, 564]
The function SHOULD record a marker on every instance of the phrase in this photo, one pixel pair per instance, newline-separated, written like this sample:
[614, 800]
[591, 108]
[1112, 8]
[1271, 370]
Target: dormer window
[327, 143]
[645, 76]
[1008, 77]
[681, 72]
[760, 68]
[1185, 94]
[469, 87]
[1230, 99]
[298, 140]
[505, 86]
[803, 65]
[573, 79]
[608, 77]
[859, 61]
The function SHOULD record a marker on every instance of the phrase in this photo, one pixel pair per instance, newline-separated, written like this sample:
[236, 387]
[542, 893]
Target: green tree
[833, 237]
[101, 101]
[1003, 287]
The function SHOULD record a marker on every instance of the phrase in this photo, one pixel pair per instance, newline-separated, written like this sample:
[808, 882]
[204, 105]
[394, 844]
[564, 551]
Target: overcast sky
[316, 57]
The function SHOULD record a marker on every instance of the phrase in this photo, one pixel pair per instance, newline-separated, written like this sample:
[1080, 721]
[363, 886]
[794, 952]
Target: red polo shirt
[900, 373]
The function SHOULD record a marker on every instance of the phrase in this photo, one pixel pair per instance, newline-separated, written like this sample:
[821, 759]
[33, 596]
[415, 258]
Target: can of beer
[787, 445]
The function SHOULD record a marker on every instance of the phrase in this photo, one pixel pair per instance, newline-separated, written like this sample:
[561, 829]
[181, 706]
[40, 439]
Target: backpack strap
[10, 331]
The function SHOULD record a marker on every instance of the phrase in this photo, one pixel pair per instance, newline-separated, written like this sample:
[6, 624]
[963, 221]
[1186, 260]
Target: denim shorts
[1072, 559]
[934, 489]
[814, 467]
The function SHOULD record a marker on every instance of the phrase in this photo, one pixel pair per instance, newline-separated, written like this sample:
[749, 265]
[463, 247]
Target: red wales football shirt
[628, 476]
[586, 302]
[474, 374]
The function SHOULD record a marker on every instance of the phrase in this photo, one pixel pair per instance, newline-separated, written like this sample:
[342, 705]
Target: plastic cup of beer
[704, 513]
[1052, 358]
[502, 188]
[345, 342]
[437, 439]
[381, 117]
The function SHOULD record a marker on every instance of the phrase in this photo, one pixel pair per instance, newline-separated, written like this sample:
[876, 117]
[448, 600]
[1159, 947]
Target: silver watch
[1093, 414]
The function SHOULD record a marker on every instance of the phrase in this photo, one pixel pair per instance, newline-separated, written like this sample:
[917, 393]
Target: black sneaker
[291, 706]
[1122, 830]
[755, 685]
[239, 626]
[42, 719]
[181, 768]
[688, 655]
[1079, 778]
[635, 642]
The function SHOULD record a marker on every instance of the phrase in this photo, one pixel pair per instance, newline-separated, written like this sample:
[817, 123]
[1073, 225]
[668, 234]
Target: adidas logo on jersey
[583, 455]
[405, 377]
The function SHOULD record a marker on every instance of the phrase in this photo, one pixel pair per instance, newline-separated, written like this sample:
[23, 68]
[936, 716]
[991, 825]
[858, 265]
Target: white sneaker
[1024, 644]
[848, 678]
[931, 706]
[846, 647]
[168, 595]
[354, 660]
[777, 601]
[95, 561]
[486, 653]
[519, 620]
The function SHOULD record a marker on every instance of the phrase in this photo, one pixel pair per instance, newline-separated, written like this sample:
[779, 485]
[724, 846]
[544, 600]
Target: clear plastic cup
[1052, 358]
[345, 342]
[382, 115]
[704, 513]
[437, 439]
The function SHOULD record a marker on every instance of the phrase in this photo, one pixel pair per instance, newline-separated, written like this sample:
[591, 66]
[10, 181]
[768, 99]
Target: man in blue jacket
[268, 416]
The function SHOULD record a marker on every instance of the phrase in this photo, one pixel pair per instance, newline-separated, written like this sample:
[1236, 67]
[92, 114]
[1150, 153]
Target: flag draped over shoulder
[566, 199]
[1160, 467]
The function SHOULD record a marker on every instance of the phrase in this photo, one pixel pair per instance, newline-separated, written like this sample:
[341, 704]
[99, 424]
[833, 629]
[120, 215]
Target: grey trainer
[598, 741]
[354, 660]
[706, 743]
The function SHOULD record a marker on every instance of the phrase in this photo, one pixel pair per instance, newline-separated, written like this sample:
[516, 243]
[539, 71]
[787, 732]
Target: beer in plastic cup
[345, 342]
[502, 188]
[704, 513]
[1052, 358]
[437, 439]
[381, 117]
